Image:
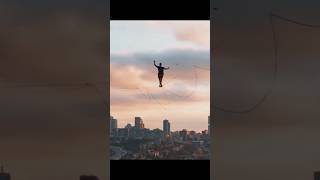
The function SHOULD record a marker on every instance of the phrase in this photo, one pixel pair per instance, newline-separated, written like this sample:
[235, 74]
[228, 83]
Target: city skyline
[139, 142]
[185, 95]
[114, 124]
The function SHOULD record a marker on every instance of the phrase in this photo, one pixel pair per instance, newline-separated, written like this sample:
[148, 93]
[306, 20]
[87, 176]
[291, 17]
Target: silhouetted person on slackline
[160, 72]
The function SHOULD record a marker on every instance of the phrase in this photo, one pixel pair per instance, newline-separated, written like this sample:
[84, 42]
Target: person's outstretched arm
[166, 68]
[154, 62]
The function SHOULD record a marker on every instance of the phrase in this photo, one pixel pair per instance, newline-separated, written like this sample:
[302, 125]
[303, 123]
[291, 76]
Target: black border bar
[159, 10]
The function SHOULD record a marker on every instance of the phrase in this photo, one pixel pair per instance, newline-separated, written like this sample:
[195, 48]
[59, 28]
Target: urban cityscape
[136, 142]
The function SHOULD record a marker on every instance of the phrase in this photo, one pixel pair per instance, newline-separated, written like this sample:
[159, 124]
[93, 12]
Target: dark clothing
[160, 69]
[160, 75]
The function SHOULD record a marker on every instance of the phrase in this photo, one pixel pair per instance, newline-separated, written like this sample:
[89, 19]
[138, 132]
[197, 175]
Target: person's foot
[160, 85]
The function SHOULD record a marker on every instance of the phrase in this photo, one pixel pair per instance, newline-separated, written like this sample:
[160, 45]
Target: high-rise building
[3, 175]
[138, 123]
[166, 127]
[113, 126]
[130, 130]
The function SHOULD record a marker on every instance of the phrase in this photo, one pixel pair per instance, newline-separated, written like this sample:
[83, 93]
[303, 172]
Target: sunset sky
[184, 98]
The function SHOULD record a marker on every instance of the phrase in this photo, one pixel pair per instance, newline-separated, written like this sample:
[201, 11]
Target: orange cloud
[126, 77]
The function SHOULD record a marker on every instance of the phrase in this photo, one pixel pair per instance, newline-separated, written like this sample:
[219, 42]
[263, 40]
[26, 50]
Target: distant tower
[138, 123]
[3, 175]
[88, 177]
[166, 127]
[113, 126]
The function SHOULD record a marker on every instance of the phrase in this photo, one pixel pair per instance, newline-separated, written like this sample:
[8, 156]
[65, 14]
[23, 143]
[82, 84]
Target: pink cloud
[126, 77]
[197, 32]
[193, 34]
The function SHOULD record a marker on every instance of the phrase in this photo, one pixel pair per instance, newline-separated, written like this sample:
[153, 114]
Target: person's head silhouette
[160, 64]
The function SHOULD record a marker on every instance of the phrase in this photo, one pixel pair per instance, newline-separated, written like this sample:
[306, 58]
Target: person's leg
[160, 79]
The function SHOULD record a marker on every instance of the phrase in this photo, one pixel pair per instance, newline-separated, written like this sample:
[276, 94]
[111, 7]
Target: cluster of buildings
[138, 131]
[139, 142]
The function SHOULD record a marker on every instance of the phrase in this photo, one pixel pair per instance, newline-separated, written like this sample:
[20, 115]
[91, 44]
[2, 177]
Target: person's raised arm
[154, 62]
